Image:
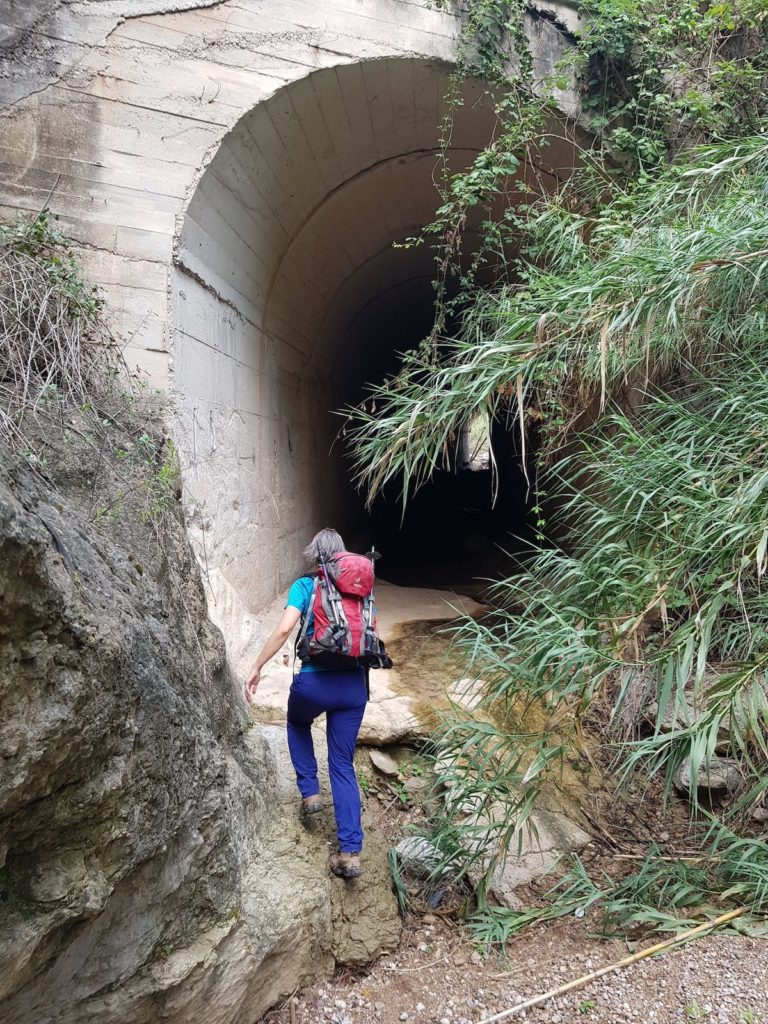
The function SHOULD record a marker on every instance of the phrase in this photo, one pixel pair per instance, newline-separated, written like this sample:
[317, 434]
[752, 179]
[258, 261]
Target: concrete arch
[288, 295]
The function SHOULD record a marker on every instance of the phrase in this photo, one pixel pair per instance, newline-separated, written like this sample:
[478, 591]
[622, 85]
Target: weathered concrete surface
[152, 864]
[393, 713]
[236, 173]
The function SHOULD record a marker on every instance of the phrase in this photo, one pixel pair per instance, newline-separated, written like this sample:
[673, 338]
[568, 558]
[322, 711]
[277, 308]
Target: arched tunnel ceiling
[317, 182]
[295, 218]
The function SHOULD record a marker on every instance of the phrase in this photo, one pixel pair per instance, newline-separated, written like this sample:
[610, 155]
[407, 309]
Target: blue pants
[342, 696]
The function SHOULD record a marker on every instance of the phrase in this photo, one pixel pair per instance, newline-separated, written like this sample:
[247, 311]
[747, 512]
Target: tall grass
[638, 340]
[610, 300]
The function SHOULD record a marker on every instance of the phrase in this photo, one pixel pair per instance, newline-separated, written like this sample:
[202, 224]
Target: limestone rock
[533, 852]
[384, 763]
[416, 786]
[468, 692]
[153, 865]
[682, 716]
[721, 775]
[551, 836]
[418, 856]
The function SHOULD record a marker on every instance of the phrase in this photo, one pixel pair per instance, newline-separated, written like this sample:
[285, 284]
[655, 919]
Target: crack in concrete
[165, 9]
[207, 286]
[26, 33]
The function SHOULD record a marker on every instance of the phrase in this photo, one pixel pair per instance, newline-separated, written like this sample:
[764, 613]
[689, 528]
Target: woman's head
[327, 543]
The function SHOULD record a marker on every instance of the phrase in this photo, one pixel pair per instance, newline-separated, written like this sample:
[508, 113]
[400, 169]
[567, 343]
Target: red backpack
[342, 608]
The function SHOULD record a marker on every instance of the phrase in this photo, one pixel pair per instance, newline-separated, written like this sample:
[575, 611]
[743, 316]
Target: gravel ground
[436, 977]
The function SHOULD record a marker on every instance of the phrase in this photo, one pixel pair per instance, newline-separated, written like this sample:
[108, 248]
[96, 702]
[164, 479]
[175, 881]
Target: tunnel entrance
[452, 533]
[288, 297]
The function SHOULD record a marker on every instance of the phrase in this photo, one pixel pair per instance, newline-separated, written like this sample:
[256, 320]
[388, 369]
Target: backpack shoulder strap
[305, 617]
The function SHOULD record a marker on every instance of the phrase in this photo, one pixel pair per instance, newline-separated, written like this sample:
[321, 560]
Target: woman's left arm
[277, 638]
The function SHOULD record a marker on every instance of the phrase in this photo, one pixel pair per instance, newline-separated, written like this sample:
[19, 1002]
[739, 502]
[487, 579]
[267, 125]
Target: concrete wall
[235, 173]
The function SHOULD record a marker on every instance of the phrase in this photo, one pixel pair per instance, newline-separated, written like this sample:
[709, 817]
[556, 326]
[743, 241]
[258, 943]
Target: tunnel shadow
[471, 523]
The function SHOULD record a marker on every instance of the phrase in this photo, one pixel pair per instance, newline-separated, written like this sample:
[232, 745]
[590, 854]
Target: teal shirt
[300, 597]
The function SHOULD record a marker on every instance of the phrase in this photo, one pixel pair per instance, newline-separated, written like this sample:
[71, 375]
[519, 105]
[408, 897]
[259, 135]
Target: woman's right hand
[251, 683]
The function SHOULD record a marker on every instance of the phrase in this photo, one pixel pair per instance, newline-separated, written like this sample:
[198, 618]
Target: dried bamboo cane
[585, 978]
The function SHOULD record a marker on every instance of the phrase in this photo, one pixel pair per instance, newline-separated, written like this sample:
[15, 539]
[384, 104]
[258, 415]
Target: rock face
[152, 865]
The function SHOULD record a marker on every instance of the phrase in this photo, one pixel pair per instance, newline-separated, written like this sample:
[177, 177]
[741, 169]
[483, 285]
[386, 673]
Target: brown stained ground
[428, 664]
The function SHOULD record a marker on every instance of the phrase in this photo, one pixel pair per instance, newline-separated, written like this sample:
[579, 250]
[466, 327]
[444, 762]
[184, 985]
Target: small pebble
[403, 1015]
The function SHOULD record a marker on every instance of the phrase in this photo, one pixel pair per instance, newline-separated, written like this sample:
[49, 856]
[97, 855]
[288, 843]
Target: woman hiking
[327, 683]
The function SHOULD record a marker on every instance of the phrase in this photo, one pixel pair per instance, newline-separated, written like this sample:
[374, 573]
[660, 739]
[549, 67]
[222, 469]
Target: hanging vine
[653, 77]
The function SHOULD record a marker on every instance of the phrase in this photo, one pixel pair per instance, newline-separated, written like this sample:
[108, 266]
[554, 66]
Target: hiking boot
[311, 805]
[346, 865]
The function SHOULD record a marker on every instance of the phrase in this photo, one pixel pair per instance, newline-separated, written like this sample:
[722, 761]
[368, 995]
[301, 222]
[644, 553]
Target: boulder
[535, 852]
[721, 775]
[680, 717]
[152, 862]
[418, 856]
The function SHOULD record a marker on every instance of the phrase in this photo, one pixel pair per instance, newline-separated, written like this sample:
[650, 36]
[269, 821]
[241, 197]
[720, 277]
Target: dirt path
[437, 977]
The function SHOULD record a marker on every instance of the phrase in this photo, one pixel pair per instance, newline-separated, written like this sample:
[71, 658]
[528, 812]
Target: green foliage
[655, 79]
[695, 1012]
[41, 240]
[661, 75]
[398, 882]
[659, 596]
[608, 302]
[638, 328]
[747, 1016]
[665, 894]
[162, 484]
